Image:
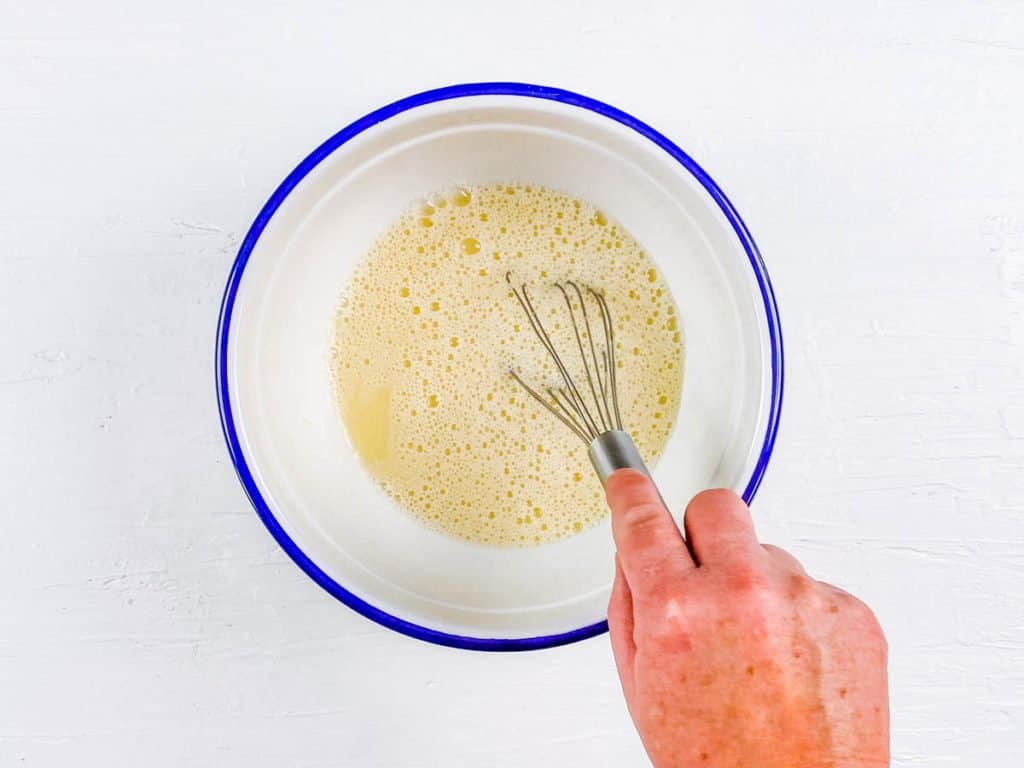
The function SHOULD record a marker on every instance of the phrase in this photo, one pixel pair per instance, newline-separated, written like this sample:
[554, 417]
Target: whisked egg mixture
[427, 332]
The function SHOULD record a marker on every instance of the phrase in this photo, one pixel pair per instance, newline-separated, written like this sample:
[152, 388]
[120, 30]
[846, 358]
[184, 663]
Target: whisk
[589, 408]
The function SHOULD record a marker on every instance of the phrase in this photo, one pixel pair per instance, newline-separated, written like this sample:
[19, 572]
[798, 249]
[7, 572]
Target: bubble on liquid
[425, 337]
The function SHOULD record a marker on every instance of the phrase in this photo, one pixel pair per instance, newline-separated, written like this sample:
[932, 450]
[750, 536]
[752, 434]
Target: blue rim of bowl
[308, 164]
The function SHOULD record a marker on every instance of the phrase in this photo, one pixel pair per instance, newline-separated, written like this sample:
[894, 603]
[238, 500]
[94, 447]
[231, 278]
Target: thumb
[650, 547]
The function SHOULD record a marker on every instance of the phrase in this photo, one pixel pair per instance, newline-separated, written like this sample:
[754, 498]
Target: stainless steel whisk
[596, 419]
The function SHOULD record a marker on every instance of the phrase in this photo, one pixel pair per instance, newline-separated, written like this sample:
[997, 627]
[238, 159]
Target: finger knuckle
[799, 585]
[856, 614]
[654, 567]
[751, 585]
[641, 516]
[780, 554]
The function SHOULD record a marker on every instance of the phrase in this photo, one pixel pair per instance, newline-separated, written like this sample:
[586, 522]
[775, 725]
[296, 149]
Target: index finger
[650, 547]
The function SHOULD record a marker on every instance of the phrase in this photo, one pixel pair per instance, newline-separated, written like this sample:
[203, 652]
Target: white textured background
[146, 617]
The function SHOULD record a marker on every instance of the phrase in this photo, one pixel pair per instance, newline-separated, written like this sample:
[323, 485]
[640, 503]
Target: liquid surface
[428, 330]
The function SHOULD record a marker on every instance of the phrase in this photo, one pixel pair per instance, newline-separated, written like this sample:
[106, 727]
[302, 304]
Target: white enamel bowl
[283, 432]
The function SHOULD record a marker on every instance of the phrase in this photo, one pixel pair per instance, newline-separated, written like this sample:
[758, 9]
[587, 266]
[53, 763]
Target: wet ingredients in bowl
[425, 336]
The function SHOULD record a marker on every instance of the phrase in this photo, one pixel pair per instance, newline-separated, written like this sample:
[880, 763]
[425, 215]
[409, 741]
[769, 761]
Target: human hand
[729, 654]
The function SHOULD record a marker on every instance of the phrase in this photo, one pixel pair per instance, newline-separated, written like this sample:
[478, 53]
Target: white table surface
[148, 619]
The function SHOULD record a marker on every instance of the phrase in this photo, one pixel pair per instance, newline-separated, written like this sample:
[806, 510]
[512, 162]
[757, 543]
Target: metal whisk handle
[614, 450]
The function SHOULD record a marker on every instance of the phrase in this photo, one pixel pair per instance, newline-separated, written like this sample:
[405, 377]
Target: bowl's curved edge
[245, 475]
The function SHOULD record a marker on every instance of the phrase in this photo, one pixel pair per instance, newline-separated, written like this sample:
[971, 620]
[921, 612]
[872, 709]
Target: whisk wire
[609, 446]
[561, 396]
[598, 373]
[583, 355]
[568, 405]
[568, 402]
[565, 419]
[609, 349]
[572, 393]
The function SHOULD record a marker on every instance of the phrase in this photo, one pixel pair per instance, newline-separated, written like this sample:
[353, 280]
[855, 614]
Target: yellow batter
[426, 334]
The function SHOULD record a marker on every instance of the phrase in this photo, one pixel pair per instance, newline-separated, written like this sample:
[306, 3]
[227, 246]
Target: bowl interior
[279, 385]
